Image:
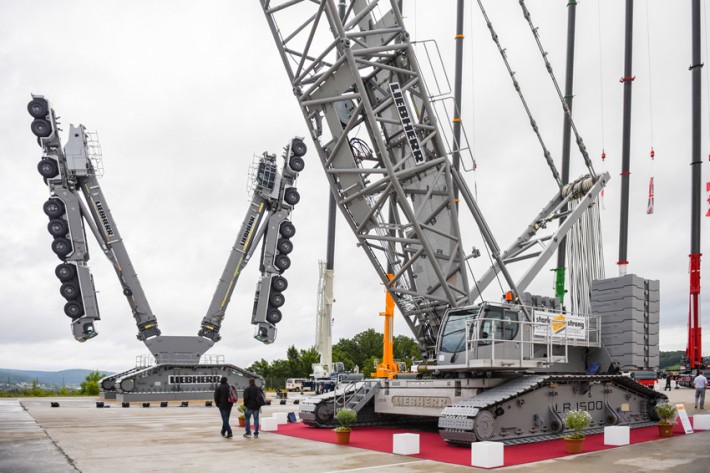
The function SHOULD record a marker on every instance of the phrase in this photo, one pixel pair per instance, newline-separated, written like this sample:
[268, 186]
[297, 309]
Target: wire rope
[565, 107]
[516, 84]
[651, 184]
[586, 258]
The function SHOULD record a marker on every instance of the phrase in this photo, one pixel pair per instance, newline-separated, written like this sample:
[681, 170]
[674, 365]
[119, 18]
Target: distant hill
[670, 359]
[47, 378]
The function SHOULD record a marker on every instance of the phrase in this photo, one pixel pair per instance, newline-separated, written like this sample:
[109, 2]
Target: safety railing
[549, 330]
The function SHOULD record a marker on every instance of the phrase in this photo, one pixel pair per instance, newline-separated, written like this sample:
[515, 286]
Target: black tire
[53, 208]
[41, 128]
[273, 316]
[61, 247]
[38, 108]
[65, 272]
[70, 291]
[284, 246]
[287, 229]
[57, 227]
[291, 196]
[296, 164]
[279, 283]
[276, 299]
[48, 168]
[298, 147]
[74, 309]
[282, 262]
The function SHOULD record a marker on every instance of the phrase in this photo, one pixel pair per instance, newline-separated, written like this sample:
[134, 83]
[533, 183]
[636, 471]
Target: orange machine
[387, 368]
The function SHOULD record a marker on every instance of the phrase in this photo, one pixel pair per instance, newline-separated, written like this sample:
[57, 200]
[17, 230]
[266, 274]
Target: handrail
[529, 335]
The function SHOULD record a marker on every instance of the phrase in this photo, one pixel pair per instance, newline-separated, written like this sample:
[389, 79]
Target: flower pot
[665, 430]
[242, 421]
[342, 436]
[574, 445]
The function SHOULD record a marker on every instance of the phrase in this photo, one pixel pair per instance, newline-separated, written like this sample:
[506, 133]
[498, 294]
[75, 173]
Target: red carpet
[432, 447]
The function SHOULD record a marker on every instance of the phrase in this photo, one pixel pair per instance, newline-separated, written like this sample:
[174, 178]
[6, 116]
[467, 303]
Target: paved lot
[78, 437]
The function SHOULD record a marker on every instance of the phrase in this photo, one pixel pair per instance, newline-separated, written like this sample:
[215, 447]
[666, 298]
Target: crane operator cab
[472, 333]
[510, 336]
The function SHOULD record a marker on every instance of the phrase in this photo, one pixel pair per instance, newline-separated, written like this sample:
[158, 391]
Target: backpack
[233, 396]
[261, 398]
[291, 417]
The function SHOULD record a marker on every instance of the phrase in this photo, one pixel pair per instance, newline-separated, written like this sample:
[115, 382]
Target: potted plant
[345, 418]
[576, 420]
[241, 409]
[667, 412]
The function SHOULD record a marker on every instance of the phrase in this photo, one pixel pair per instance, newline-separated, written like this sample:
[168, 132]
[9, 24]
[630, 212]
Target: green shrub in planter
[345, 418]
[577, 420]
[666, 411]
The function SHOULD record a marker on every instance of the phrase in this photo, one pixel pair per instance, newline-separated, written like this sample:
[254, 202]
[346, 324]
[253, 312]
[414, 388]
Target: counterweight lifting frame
[70, 173]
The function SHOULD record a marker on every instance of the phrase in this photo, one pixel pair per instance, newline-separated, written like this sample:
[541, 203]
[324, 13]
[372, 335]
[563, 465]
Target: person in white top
[700, 382]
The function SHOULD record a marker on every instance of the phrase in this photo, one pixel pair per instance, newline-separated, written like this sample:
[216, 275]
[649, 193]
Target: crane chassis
[497, 371]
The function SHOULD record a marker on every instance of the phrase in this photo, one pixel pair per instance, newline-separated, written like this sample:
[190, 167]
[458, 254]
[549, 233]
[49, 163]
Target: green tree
[308, 359]
[405, 349]
[370, 344]
[346, 351]
[90, 385]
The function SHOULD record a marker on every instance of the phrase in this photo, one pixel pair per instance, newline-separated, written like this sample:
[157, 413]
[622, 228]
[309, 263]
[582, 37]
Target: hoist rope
[585, 258]
[650, 75]
[601, 70]
[546, 152]
[475, 282]
[565, 107]
[651, 185]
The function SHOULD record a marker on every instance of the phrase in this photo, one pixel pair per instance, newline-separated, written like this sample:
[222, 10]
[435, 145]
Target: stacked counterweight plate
[629, 307]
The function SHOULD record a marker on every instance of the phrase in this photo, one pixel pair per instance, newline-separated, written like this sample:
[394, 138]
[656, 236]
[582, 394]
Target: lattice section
[362, 94]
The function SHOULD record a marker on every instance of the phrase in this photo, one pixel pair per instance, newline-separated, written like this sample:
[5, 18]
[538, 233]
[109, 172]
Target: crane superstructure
[501, 370]
[180, 367]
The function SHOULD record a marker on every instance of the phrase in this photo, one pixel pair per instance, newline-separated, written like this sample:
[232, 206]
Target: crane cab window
[498, 324]
[453, 334]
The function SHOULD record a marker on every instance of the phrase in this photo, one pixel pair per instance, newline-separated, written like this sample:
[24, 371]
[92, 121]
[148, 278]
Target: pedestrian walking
[222, 401]
[254, 398]
[700, 383]
[668, 382]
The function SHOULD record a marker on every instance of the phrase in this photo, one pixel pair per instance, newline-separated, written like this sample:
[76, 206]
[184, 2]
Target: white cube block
[487, 454]
[616, 435]
[405, 444]
[701, 422]
[281, 417]
[268, 424]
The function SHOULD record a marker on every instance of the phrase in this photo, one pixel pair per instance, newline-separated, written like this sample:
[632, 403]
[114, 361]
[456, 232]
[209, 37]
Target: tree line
[360, 353]
[88, 387]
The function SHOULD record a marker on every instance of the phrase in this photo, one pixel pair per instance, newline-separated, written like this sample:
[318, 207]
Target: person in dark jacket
[221, 400]
[252, 397]
[668, 382]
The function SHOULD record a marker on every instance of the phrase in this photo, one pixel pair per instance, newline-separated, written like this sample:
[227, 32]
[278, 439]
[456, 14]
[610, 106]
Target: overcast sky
[184, 94]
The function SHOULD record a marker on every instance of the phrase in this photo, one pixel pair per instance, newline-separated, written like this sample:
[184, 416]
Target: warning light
[508, 296]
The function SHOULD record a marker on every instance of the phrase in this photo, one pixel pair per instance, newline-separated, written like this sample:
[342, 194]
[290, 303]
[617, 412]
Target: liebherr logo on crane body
[406, 121]
[104, 218]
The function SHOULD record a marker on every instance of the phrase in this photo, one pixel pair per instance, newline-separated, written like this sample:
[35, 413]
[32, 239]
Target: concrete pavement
[78, 437]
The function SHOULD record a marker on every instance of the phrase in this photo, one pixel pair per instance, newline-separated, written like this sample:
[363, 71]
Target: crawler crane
[180, 370]
[504, 371]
